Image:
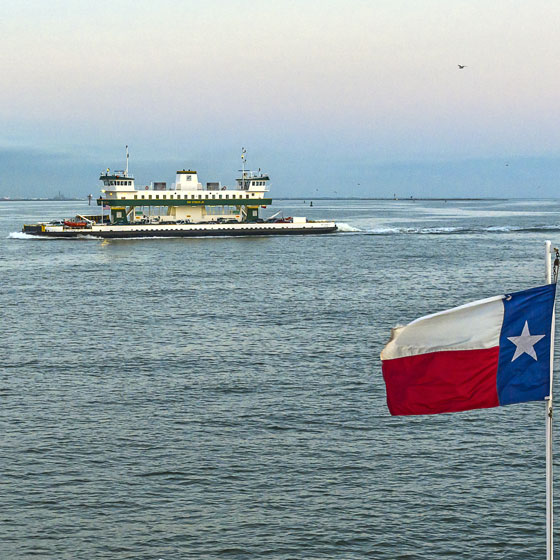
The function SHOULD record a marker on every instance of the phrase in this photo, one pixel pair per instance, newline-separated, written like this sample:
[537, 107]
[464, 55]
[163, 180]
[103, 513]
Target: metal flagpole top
[547, 261]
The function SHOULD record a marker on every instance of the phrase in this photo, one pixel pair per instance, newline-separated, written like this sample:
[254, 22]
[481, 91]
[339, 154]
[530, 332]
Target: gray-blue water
[223, 399]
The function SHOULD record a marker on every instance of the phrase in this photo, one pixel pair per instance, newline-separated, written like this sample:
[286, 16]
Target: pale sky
[325, 95]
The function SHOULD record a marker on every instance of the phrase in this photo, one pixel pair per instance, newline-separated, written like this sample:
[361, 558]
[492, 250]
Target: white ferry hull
[183, 230]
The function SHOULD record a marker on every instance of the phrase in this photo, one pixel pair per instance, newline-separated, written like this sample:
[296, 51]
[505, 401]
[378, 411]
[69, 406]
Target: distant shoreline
[42, 199]
[304, 199]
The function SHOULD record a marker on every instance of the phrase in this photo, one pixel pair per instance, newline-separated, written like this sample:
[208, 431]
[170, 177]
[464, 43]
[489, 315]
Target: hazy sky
[358, 97]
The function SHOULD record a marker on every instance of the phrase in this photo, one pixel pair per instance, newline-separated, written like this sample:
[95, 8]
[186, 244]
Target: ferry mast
[243, 157]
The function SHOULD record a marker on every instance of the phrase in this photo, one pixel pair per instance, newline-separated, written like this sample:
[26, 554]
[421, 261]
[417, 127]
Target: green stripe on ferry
[177, 202]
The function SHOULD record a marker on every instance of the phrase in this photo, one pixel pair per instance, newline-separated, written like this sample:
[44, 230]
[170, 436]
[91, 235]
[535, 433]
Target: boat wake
[450, 230]
[347, 228]
[21, 235]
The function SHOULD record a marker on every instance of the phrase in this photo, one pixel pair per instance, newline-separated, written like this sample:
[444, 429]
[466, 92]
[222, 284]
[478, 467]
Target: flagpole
[549, 481]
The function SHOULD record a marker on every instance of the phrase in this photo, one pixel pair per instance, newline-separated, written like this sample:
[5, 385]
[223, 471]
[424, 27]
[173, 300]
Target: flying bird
[461, 66]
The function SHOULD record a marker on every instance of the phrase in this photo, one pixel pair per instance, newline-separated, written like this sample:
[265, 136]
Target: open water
[223, 399]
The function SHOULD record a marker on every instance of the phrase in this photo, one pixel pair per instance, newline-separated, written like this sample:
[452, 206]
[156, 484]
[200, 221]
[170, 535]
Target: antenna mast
[126, 172]
[243, 152]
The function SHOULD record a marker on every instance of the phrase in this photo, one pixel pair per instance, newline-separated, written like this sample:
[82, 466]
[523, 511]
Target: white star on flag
[525, 343]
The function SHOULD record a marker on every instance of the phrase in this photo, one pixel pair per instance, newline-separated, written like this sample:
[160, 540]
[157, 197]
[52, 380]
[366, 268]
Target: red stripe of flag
[437, 382]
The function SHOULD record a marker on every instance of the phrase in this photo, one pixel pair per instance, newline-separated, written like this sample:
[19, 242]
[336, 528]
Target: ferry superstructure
[186, 209]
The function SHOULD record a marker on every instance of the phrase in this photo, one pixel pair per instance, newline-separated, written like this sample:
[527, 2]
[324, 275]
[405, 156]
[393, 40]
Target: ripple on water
[223, 398]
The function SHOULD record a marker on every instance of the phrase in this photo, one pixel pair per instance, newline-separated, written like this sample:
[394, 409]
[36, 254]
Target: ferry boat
[187, 209]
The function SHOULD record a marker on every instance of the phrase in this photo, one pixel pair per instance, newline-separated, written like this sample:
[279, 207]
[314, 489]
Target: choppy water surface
[223, 399]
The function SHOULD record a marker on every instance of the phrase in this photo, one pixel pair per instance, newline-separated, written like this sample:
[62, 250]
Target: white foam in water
[21, 235]
[504, 229]
[451, 230]
[385, 231]
[412, 231]
[441, 230]
[346, 227]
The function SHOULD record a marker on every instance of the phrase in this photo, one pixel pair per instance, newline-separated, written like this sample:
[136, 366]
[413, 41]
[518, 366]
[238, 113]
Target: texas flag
[487, 353]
